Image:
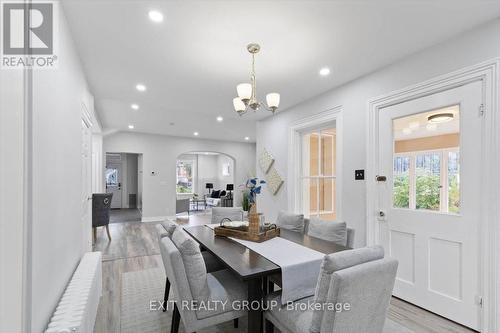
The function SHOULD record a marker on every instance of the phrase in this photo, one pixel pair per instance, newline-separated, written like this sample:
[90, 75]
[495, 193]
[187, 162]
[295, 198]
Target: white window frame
[304, 172]
[328, 117]
[194, 173]
[443, 165]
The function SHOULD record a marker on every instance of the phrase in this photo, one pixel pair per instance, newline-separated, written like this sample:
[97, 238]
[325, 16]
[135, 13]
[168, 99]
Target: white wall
[272, 133]
[58, 231]
[160, 153]
[11, 199]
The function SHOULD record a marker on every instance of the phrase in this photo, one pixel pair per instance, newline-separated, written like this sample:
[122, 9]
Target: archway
[204, 179]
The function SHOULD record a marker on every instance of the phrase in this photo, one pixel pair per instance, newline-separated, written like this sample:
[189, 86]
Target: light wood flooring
[134, 247]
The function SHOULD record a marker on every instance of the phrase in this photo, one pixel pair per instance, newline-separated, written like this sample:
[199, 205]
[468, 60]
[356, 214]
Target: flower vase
[253, 220]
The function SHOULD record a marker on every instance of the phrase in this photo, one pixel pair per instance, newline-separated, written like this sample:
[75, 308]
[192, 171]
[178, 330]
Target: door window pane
[111, 176]
[428, 181]
[454, 182]
[426, 163]
[401, 188]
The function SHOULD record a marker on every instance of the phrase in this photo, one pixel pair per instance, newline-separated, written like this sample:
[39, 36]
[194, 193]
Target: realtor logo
[28, 34]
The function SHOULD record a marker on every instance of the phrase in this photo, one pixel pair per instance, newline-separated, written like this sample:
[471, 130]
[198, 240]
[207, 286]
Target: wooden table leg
[255, 316]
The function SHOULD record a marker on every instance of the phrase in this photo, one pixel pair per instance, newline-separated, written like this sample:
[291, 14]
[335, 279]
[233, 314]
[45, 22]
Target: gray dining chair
[336, 232]
[191, 282]
[232, 213]
[332, 231]
[101, 205]
[166, 229]
[361, 278]
[291, 221]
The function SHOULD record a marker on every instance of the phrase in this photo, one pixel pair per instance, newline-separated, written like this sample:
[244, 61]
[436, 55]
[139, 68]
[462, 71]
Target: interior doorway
[124, 179]
[204, 180]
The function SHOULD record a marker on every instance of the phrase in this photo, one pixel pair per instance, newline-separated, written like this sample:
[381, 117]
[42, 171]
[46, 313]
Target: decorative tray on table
[241, 230]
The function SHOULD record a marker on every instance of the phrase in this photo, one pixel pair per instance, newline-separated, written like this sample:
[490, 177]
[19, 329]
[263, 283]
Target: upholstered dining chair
[166, 229]
[291, 221]
[232, 213]
[359, 281]
[332, 231]
[101, 205]
[191, 282]
[336, 232]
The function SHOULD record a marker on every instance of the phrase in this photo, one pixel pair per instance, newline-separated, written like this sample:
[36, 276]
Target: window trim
[330, 116]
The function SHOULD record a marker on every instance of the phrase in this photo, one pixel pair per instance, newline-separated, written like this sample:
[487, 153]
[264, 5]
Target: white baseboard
[153, 218]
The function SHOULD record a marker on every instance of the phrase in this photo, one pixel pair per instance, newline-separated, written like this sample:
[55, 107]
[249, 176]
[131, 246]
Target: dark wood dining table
[250, 266]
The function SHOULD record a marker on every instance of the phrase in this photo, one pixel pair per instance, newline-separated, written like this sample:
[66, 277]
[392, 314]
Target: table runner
[300, 265]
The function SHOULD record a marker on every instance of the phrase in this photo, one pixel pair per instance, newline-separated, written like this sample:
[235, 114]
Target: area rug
[141, 291]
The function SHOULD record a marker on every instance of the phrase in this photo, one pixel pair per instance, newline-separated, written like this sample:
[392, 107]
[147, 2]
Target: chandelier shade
[244, 91]
[238, 104]
[247, 92]
[273, 100]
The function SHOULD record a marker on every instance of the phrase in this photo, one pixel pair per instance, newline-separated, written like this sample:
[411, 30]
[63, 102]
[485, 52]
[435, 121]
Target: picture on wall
[266, 161]
[274, 181]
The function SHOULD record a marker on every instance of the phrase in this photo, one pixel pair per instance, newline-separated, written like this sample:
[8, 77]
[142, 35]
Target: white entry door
[430, 152]
[114, 182]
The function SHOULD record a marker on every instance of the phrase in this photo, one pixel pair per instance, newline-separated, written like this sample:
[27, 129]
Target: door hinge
[481, 110]
[479, 301]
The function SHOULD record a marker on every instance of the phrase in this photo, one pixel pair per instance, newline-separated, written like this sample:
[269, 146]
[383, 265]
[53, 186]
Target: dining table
[250, 266]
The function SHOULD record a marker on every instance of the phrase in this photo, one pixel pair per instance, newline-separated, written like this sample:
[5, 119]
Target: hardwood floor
[134, 247]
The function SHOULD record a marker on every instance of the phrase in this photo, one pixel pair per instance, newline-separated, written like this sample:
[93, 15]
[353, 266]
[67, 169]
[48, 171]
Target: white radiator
[77, 309]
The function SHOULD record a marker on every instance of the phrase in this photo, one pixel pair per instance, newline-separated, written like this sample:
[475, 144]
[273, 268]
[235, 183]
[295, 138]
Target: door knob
[380, 178]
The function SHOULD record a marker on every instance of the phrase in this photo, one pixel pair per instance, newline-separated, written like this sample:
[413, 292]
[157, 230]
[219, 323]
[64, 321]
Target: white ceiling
[192, 61]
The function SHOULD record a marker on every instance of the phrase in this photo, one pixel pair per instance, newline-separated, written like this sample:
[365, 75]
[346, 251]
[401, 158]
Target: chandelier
[247, 92]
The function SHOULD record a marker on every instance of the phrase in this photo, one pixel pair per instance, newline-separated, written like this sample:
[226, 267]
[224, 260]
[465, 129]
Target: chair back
[174, 267]
[367, 289]
[232, 213]
[101, 205]
[350, 233]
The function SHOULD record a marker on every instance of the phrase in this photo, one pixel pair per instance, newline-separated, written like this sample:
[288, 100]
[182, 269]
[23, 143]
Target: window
[111, 177]
[318, 173]
[426, 161]
[434, 189]
[185, 176]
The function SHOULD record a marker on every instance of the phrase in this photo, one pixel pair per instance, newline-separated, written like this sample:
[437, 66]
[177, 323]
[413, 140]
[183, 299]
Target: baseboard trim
[153, 218]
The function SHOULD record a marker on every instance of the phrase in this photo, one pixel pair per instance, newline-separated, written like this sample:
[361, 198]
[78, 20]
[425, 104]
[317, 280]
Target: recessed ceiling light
[140, 87]
[134, 106]
[324, 71]
[247, 138]
[155, 16]
[219, 119]
[131, 126]
[196, 133]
